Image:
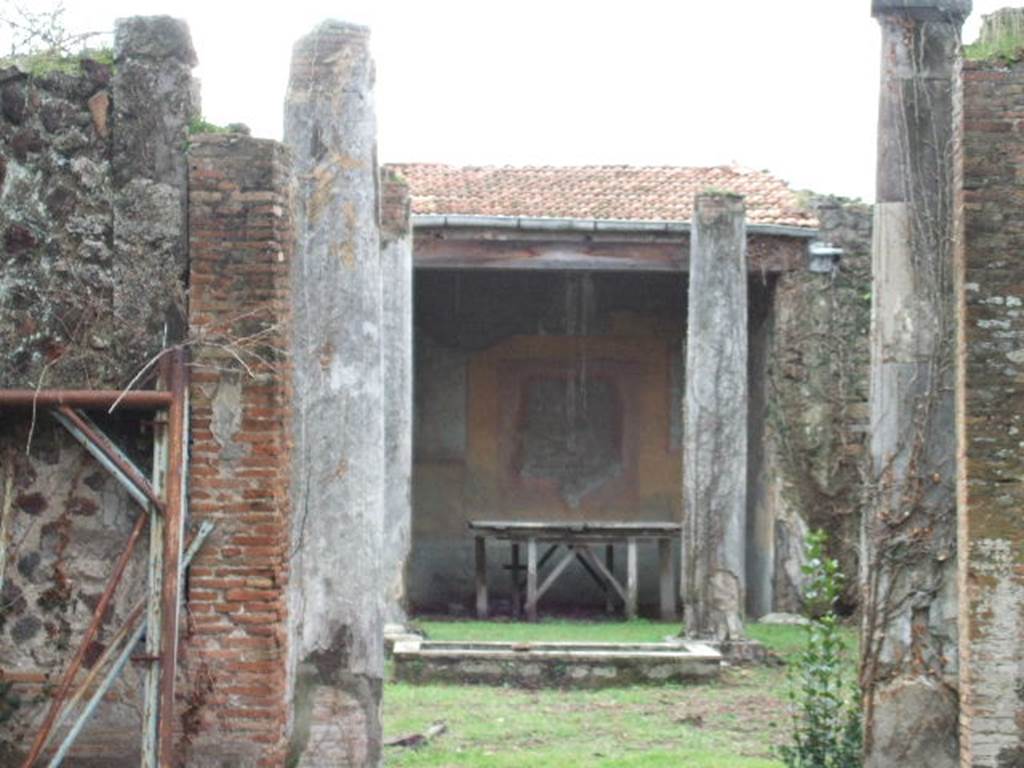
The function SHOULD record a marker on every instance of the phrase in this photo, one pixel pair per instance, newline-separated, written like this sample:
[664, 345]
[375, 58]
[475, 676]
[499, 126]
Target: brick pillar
[234, 704]
[990, 404]
[715, 437]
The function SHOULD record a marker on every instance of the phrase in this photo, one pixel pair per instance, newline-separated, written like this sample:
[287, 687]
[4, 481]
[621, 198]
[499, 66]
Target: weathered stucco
[337, 601]
[541, 397]
[716, 411]
[396, 277]
[909, 532]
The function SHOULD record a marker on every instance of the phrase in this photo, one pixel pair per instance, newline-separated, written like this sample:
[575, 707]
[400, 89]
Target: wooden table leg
[517, 600]
[481, 577]
[609, 592]
[531, 580]
[668, 596]
[631, 583]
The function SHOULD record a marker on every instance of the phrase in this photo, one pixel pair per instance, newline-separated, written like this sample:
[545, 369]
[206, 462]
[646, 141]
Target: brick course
[235, 701]
[991, 414]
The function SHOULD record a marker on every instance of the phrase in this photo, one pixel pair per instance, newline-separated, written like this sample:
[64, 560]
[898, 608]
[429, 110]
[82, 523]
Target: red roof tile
[596, 192]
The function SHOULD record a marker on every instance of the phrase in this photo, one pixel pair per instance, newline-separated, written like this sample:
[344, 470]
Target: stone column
[154, 98]
[909, 530]
[715, 438]
[396, 255]
[337, 596]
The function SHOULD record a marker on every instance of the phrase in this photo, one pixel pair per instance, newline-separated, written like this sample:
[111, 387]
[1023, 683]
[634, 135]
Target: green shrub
[826, 705]
[199, 124]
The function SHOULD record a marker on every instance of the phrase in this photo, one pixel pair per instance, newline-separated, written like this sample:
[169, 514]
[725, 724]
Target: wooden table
[578, 539]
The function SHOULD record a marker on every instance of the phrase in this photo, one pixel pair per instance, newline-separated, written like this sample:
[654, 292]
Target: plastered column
[338, 591]
[396, 254]
[909, 529]
[716, 405]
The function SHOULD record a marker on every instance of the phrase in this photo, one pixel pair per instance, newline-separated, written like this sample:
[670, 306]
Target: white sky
[789, 86]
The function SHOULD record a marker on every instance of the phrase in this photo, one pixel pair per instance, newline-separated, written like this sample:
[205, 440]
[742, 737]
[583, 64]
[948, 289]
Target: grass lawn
[736, 721]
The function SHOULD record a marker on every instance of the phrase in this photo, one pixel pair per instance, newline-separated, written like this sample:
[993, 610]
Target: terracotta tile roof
[595, 192]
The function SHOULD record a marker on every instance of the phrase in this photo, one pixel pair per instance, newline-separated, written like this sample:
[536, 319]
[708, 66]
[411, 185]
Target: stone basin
[555, 665]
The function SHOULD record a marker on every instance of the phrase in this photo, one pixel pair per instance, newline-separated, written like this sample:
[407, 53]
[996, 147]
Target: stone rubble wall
[69, 521]
[92, 285]
[817, 391]
[92, 210]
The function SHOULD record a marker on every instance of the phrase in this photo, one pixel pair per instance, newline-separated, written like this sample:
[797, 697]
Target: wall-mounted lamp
[823, 257]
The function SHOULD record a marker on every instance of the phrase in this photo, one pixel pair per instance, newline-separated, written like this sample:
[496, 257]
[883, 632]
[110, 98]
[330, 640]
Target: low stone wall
[555, 665]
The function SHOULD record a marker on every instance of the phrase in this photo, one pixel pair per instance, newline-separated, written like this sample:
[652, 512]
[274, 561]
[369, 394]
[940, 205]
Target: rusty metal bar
[174, 521]
[154, 586]
[84, 398]
[90, 635]
[95, 699]
[6, 508]
[204, 531]
[97, 667]
[109, 455]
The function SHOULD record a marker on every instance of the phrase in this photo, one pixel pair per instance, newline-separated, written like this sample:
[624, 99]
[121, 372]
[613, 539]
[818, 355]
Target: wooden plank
[555, 572]
[667, 596]
[175, 512]
[547, 556]
[531, 580]
[631, 580]
[767, 253]
[599, 566]
[609, 560]
[561, 532]
[517, 599]
[573, 526]
[590, 569]
[481, 577]
[469, 254]
[6, 508]
[151, 687]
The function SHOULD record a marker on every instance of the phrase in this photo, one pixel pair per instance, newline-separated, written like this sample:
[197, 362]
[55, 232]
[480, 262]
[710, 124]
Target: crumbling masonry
[285, 271]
